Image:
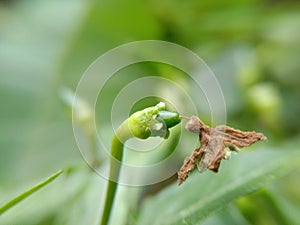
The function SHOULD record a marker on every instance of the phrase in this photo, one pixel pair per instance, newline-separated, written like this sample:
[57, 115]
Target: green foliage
[252, 46]
[202, 195]
[27, 193]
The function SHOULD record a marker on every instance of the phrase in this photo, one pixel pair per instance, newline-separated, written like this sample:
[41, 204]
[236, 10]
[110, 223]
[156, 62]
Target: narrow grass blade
[27, 193]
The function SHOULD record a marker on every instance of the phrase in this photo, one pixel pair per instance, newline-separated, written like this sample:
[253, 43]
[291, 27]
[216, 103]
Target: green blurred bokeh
[252, 47]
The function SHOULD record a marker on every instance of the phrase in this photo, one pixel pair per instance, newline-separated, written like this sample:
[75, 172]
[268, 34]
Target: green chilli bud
[152, 122]
[170, 118]
[140, 123]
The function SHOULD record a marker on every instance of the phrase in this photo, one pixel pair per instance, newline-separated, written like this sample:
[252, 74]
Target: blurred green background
[252, 46]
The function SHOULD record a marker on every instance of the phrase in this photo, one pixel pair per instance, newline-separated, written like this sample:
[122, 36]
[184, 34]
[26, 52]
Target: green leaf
[228, 215]
[29, 192]
[204, 193]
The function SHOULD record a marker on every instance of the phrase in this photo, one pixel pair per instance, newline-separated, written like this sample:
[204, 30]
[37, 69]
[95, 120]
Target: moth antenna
[184, 117]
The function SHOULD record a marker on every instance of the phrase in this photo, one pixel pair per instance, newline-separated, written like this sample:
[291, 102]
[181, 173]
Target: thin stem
[151, 121]
[122, 134]
[95, 159]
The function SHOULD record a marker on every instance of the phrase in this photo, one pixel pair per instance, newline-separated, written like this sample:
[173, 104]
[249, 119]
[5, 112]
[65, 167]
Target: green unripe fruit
[170, 118]
[153, 121]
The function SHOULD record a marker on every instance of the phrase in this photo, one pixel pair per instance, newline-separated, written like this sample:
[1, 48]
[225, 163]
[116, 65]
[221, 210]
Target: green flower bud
[140, 122]
[170, 118]
[152, 121]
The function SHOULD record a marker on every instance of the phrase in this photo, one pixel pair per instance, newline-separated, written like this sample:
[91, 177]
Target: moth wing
[201, 164]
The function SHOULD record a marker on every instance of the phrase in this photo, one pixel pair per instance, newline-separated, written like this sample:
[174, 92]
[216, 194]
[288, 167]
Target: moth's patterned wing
[214, 144]
[236, 139]
[201, 164]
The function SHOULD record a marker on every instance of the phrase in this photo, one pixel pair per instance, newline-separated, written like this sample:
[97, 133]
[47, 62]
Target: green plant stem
[121, 136]
[95, 159]
[151, 121]
[27, 193]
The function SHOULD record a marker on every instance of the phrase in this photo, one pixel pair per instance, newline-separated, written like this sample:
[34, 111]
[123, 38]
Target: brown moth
[215, 145]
